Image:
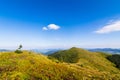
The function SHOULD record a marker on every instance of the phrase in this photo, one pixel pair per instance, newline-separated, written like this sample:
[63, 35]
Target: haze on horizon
[60, 23]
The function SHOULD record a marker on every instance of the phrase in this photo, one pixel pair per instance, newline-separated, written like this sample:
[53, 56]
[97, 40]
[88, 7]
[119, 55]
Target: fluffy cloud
[111, 27]
[51, 27]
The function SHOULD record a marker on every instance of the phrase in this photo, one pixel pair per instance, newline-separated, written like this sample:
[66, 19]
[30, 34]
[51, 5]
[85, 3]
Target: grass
[32, 66]
[91, 61]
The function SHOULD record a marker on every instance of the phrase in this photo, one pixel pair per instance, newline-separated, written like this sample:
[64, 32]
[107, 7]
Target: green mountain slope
[88, 60]
[32, 66]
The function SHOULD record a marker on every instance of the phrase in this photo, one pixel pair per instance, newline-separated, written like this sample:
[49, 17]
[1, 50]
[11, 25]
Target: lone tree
[19, 49]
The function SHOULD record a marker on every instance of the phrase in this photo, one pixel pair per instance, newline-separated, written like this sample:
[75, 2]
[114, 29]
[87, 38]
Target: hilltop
[93, 61]
[79, 64]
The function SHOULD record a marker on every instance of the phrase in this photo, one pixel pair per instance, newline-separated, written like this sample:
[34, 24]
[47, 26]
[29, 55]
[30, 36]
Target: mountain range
[106, 50]
[50, 51]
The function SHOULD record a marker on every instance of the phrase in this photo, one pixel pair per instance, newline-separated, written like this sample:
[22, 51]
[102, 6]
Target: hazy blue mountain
[106, 50]
[50, 51]
[45, 51]
[4, 50]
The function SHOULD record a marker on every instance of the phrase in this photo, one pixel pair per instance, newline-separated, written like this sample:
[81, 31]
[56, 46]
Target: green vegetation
[93, 61]
[115, 58]
[69, 56]
[31, 66]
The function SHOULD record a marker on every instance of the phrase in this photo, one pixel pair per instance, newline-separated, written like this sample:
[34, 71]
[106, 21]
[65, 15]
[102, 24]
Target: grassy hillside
[32, 66]
[88, 60]
[69, 56]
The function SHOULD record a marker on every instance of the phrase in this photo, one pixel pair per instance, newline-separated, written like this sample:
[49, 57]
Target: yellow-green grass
[33, 66]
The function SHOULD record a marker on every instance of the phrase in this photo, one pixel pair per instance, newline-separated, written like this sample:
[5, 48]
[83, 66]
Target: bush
[18, 51]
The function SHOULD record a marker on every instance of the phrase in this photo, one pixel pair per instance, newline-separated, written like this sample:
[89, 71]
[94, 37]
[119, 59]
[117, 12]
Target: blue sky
[59, 23]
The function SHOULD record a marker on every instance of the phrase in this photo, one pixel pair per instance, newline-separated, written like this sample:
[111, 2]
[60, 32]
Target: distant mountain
[4, 50]
[45, 51]
[106, 50]
[50, 51]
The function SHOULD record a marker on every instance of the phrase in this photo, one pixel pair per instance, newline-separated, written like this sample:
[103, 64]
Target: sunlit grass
[32, 66]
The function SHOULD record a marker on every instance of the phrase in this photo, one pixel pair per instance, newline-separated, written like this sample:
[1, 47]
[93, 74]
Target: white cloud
[51, 27]
[111, 27]
[44, 28]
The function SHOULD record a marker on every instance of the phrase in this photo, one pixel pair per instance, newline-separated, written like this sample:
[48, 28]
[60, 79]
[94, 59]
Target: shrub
[18, 51]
